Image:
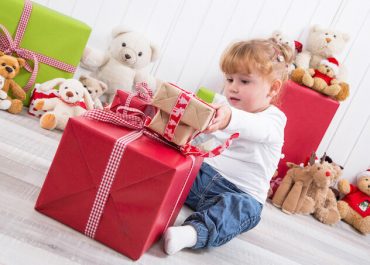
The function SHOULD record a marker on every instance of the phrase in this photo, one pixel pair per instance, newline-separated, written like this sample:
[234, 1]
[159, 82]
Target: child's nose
[233, 88]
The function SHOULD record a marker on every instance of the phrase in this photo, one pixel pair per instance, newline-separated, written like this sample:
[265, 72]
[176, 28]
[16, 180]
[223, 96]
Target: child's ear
[275, 88]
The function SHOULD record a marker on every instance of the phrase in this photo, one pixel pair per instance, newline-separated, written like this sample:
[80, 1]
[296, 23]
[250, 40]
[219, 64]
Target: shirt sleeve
[264, 127]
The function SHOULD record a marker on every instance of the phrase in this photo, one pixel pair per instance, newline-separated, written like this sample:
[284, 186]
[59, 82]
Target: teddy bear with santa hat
[354, 208]
[323, 79]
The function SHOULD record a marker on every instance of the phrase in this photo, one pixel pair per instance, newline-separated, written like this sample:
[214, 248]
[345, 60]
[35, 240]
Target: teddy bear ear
[316, 28]
[119, 30]
[276, 33]
[345, 37]
[21, 61]
[103, 86]
[155, 52]
[82, 78]
[1, 53]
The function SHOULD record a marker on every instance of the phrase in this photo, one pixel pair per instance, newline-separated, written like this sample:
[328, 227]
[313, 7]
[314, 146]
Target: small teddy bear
[323, 79]
[9, 68]
[95, 88]
[73, 100]
[354, 208]
[124, 63]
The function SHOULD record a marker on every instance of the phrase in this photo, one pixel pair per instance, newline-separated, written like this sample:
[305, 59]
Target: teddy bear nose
[127, 56]
[328, 40]
[9, 69]
[327, 173]
[69, 94]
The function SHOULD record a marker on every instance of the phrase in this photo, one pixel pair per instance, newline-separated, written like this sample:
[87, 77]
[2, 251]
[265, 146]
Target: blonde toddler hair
[261, 56]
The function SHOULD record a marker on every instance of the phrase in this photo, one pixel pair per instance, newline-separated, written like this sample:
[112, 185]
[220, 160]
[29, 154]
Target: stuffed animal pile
[323, 45]
[306, 190]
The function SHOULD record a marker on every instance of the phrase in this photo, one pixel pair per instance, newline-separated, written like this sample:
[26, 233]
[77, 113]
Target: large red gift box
[149, 188]
[309, 114]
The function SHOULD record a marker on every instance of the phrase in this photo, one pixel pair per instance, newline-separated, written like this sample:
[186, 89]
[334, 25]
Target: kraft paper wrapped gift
[48, 33]
[196, 116]
[146, 194]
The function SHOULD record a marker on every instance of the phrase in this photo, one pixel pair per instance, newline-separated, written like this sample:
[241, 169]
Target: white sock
[179, 237]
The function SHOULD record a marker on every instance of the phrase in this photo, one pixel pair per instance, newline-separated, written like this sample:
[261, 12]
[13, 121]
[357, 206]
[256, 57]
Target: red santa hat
[332, 63]
[364, 174]
[298, 46]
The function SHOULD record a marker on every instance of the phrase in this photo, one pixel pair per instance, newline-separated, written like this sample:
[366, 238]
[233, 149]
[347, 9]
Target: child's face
[250, 93]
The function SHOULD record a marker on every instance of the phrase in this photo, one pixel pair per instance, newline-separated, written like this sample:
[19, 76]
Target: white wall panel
[359, 158]
[186, 31]
[203, 48]
[61, 6]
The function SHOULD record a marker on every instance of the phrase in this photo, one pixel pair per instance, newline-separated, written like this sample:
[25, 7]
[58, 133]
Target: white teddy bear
[124, 63]
[4, 102]
[322, 44]
[73, 100]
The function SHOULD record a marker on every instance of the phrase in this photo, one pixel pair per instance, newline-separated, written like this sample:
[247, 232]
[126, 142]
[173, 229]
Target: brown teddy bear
[9, 68]
[320, 199]
[289, 195]
[96, 89]
[354, 208]
[323, 79]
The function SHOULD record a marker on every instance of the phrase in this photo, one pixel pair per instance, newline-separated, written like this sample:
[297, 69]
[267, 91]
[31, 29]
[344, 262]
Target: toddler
[230, 189]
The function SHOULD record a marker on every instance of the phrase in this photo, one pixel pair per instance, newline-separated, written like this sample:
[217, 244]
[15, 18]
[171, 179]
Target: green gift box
[48, 33]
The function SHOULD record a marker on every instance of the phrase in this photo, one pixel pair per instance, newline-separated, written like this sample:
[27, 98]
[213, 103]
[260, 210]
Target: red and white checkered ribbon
[107, 181]
[10, 46]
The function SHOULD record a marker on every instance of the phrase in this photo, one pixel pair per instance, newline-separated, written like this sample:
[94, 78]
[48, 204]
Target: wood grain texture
[28, 237]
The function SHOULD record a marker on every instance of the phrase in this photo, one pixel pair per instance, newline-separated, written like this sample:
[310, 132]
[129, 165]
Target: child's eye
[245, 81]
[230, 80]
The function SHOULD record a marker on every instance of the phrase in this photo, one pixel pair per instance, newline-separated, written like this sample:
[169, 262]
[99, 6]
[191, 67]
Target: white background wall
[193, 33]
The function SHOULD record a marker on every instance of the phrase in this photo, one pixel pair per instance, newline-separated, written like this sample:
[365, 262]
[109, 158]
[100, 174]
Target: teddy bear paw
[342, 208]
[15, 107]
[48, 121]
[39, 104]
[364, 226]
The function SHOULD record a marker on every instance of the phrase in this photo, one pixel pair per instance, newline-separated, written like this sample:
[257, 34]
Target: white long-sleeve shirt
[251, 160]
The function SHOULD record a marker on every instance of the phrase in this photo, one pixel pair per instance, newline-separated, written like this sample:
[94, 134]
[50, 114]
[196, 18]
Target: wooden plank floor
[27, 237]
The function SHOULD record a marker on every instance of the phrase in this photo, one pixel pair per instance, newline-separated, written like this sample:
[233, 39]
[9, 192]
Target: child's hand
[221, 120]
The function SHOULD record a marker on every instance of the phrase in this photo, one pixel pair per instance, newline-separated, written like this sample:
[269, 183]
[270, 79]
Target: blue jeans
[222, 211]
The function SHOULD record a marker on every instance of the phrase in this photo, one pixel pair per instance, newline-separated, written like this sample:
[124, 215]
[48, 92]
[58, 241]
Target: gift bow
[10, 46]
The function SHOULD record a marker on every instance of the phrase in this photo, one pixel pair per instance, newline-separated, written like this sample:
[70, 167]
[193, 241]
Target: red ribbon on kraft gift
[9, 46]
